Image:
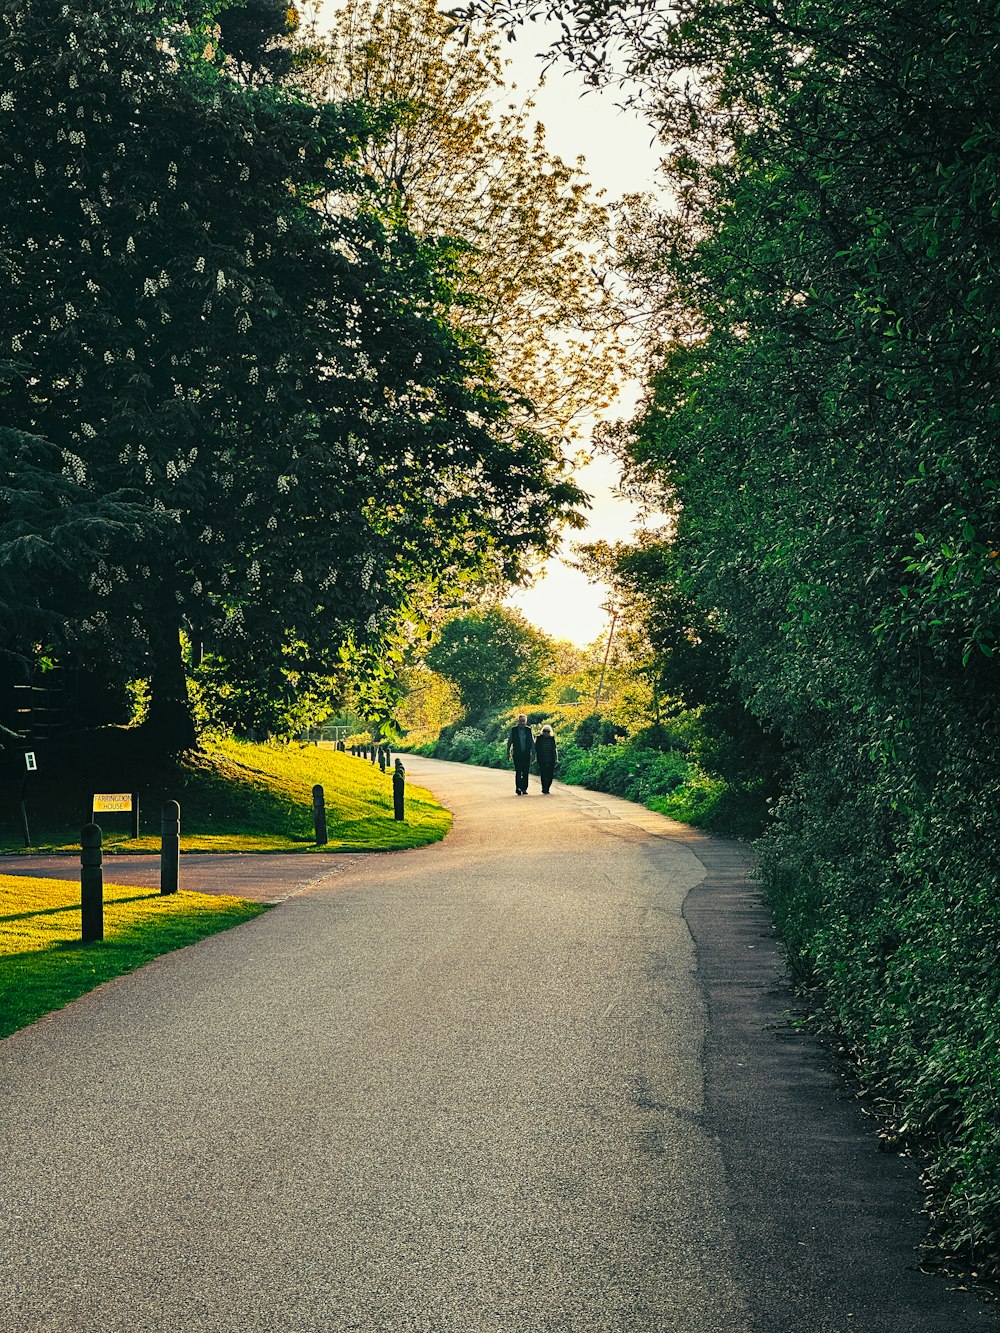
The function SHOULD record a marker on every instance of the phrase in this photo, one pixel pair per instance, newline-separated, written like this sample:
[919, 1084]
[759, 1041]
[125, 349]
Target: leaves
[213, 324]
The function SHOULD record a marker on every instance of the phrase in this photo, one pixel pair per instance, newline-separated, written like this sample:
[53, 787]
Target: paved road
[270, 877]
[525, 1080]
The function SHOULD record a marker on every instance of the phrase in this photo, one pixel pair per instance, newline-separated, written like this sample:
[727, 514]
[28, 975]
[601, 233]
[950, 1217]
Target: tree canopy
[457, 160]
[494, 658]
[230, 373]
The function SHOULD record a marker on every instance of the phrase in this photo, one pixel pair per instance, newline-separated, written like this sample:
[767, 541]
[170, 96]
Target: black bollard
[319, 814]
[91, 885]
[170, 847]
[398, 789]
[381, 758]
[374, 754]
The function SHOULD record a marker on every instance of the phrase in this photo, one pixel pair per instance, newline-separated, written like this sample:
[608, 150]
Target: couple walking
[521, 744]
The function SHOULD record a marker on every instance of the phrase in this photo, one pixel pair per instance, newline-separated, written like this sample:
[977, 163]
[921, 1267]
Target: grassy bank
[235, 796]
[43, 965]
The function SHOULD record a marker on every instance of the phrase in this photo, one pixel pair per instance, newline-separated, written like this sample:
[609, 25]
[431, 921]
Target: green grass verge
[235, 796]
[43, 965]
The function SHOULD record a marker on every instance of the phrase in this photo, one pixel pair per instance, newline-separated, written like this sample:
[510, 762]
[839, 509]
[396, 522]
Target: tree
[494, 659]
[254, 37]
[429, 702]
[533, 238]
[205, 312]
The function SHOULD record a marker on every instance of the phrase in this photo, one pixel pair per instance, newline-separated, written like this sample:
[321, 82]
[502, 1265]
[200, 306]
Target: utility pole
[607, 654]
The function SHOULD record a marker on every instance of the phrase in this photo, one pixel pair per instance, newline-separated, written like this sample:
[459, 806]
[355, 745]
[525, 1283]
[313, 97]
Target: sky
[621, 157]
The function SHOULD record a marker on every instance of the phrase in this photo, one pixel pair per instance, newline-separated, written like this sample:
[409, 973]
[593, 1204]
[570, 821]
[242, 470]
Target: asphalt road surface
[538, 1077]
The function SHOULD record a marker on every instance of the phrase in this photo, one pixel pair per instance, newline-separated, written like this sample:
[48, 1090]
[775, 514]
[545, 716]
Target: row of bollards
[92, 869]
[382, 755]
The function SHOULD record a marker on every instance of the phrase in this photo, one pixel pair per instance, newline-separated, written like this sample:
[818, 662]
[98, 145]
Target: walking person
[545, 753]
[521, 744]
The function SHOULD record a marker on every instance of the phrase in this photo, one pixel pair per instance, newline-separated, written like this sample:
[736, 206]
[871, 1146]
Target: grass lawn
[235, 796]
[43, 965]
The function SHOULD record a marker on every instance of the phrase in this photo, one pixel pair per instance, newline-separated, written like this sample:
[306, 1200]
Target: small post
[398, 789]
[91, 885]
[22, 807]
[374, 754]
[170, 847]
[381, 758]
[135, 814]
[319, 814]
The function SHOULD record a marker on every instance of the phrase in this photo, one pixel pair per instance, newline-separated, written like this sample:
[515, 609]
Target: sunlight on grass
[265, 791]
[43, 965]
[236, 796]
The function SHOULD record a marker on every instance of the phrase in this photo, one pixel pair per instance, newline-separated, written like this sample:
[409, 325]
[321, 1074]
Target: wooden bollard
[398, 789]
[319, 814]
[91, 885]
[381, 758]
[170, 847]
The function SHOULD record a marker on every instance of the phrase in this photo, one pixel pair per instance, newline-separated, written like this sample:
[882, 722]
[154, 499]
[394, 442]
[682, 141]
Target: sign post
[118, 803]
[30, 766]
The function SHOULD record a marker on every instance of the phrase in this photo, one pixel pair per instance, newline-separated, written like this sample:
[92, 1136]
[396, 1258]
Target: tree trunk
[169, 726]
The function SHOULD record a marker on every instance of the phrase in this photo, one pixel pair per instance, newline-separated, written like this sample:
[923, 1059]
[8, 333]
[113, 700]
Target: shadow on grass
[73, 907]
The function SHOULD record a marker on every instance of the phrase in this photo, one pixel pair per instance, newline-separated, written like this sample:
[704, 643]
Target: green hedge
[890, 913]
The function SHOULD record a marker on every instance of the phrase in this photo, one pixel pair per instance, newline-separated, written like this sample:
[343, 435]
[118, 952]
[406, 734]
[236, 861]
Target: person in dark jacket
[521, 744]
[545, 753]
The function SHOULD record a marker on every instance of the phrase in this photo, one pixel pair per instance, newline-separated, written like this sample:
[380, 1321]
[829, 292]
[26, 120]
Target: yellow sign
[108, 801]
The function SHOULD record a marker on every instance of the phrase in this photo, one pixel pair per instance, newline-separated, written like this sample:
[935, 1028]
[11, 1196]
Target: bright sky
[621, 158]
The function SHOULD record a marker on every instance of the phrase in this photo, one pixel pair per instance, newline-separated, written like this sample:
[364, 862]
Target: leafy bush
[464, 743]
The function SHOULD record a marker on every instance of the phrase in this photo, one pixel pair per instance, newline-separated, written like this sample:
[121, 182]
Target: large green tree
[825, 412]
[494, 658]
[206, 320]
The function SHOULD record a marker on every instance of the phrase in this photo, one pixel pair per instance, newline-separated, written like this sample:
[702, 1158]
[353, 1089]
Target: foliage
[42, 964]
[492, 657]
[596, 730]
[239, 377]
[534, 238]
[824, 415]
[428, 703]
